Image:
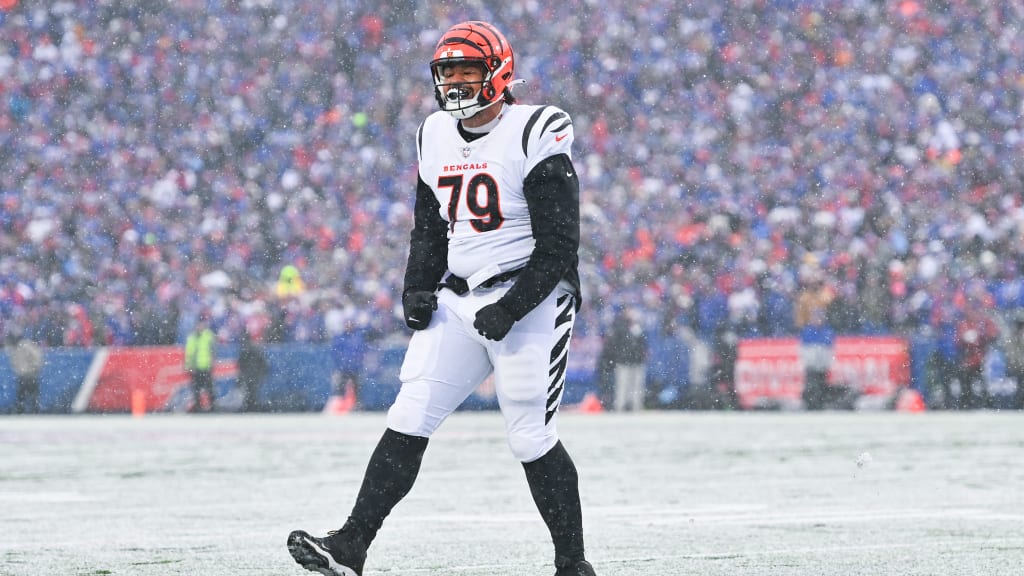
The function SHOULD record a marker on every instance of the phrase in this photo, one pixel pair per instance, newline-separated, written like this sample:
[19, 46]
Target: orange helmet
[473, 42]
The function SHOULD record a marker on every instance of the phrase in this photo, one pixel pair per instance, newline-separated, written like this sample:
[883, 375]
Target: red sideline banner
[157, 372]
[874, 365]
[770, 369]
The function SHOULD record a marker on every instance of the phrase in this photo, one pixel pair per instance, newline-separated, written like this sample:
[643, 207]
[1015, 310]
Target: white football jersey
[479, 184]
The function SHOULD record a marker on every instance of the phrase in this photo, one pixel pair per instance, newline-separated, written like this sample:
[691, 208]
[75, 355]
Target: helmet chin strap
[471, 110]
[457, 94]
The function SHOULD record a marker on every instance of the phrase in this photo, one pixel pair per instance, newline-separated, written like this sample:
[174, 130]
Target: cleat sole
[307, 554]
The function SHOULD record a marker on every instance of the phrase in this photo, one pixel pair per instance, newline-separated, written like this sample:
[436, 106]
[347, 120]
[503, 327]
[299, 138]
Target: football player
[491, 286]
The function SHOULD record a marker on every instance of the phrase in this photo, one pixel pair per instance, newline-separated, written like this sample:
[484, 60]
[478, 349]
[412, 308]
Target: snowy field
[664, 494]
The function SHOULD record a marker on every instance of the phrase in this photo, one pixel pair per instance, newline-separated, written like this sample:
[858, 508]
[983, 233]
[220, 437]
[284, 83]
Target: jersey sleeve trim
[419, 142]
[551, 137]
[529, 128]
[560, 127]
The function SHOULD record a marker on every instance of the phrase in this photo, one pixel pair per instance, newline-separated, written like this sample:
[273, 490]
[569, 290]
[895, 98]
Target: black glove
[419, 306]
[493, 321]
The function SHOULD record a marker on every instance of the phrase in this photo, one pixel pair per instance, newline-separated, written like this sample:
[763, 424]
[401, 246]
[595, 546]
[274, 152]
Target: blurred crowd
[253, 161]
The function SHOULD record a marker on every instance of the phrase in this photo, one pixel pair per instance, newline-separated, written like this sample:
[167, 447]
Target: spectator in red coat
[975, 334]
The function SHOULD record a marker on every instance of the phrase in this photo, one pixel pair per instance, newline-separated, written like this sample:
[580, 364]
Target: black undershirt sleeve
[552, 191]
[428, 246]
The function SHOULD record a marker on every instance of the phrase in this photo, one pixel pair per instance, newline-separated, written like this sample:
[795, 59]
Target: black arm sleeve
[428, 246]
[552, 192]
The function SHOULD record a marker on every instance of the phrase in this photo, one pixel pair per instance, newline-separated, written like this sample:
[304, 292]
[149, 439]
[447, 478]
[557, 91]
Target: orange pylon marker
[590, 404]
[138, 403]
[909, 400]
[341, 404]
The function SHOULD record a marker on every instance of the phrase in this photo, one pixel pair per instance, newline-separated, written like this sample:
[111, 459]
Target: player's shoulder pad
[428, 128]
[549, 128]
[419, 141]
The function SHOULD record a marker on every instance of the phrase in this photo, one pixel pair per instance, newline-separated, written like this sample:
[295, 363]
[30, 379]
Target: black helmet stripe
[494, 32]
[450, 42]
[465, 40]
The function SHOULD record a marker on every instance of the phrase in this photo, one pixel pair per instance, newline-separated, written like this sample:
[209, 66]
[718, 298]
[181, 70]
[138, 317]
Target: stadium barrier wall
[103, 380]
[63, 372]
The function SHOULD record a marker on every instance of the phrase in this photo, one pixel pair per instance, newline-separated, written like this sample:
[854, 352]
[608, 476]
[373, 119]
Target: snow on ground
[670, 493]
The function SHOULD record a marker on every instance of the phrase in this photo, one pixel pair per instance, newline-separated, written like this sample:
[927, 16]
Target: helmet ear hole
[487, 91]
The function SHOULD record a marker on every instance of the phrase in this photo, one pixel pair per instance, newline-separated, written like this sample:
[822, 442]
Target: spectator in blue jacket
[348, 350]
[668, 368]
[816, 351]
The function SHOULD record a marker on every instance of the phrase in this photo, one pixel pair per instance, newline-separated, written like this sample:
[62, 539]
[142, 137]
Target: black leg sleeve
[554, 485]
[390, 474]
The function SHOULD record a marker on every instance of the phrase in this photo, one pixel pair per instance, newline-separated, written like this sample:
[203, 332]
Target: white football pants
[446, 362]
